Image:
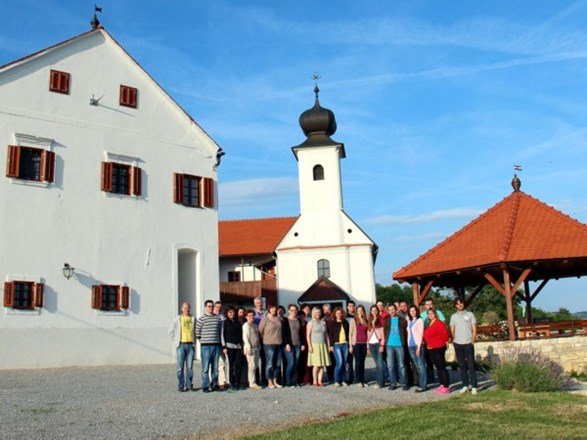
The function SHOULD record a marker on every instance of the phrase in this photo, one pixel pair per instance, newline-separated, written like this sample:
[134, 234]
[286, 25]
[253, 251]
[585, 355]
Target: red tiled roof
[517, 229]
[252, 236]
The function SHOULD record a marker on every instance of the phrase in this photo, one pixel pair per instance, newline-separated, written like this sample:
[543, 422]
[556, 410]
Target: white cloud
[423, 218]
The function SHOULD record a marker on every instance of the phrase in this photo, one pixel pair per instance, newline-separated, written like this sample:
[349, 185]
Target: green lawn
[489, 415]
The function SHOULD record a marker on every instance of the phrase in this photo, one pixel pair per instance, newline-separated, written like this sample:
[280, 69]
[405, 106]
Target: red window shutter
[38, 291]
[13, 161]
[47, 166]
[106, 176]
[128, 96]
[135, 174]
[9, 294]
[96, 297]
[123, 297]
[59, 82]
[177, 188]
[208, 192]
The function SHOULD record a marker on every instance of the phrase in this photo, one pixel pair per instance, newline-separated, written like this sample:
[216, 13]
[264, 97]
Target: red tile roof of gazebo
[520, 228]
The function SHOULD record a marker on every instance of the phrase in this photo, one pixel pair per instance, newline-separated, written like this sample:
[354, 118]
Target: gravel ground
[142, 402]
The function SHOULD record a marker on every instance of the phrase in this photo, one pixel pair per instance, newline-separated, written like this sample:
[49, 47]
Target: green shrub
[528, 371]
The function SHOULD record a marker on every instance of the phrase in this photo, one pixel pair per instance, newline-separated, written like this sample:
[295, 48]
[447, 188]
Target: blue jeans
[291, 360]
[341, 352]
[272, 355]
[420, 365]
[395, 362]
[378, 358]
[185, 357]
[210, 355]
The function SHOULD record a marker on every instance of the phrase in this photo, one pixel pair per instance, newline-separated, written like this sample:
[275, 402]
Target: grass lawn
[489, 415]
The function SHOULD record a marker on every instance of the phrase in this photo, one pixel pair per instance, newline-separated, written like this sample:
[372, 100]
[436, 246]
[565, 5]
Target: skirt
[319, 356]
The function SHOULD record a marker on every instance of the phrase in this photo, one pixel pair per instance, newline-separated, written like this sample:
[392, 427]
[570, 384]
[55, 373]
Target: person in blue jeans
[376, 343]
[182, 331]
[208, 331]
[416, 346]
[293, 337]
[338, 332]
[395, 335]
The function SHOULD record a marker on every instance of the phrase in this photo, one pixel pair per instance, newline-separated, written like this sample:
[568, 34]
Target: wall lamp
[67, 270]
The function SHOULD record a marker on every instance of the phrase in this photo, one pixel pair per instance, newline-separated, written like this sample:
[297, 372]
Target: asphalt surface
[142, 402]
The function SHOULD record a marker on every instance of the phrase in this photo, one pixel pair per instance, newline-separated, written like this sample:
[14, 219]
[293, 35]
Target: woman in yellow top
[338, 332]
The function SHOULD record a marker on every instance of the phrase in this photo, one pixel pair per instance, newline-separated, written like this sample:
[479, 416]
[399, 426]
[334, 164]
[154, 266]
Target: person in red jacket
[436, 338]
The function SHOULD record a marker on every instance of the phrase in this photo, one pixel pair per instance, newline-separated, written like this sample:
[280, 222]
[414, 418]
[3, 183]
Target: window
[318, 172]
[110, 298]
[193, 191]
[128, 96]
[24, 295]
[324, 268]
[119, 178]
[234, 277]
[29, 163]
[59, 82]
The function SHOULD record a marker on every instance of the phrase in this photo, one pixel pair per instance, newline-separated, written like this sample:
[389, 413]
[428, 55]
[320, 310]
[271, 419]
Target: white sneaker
[376, 386]
[344, 384]
[463, 390]
[336, 385]
[474, 391]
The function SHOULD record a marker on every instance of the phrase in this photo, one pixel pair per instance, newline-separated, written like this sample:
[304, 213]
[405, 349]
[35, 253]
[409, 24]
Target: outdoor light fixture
[67, 270]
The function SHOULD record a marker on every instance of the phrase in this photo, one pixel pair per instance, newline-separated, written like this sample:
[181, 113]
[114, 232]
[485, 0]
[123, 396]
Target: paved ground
[142, 402]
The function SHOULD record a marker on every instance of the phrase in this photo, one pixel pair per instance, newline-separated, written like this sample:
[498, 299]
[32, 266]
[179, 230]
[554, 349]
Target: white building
[325, 253]
[107, 173]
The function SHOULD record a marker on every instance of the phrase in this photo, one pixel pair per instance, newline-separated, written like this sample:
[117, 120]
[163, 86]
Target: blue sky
[435, 102]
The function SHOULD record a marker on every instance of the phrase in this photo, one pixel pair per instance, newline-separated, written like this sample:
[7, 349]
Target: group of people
[291, 347]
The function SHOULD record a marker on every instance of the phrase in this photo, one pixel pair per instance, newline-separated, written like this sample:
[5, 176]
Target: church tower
[324, 250]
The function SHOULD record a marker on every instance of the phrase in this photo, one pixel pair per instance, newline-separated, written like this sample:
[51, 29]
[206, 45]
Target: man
[222, 367]
[182, 331]
[429, 305]
[463, 327]
[326, 311]
[402, 312]
[208, 329]
[402, 309]
[350, 373]
[395, 334]
[259, 312]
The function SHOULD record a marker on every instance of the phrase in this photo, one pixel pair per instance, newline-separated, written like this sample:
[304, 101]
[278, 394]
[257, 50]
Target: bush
[528, 371]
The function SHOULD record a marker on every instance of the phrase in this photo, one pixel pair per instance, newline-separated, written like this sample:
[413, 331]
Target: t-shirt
[394, 339]
[187, 329]
[463, 323]
[424, 316]
[342, 336]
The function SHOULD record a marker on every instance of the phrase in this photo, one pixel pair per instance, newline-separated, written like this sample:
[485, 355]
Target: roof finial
[95, 23]
[316, 77]
[516, 183]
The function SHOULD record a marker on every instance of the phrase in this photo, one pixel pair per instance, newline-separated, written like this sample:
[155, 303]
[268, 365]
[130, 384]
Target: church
[320, 256]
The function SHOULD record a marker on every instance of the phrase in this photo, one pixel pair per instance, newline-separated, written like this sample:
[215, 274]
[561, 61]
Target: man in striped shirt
[208, 328]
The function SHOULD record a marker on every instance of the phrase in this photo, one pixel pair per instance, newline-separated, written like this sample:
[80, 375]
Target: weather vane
[96, 8]
[517, 167]
[315, 78]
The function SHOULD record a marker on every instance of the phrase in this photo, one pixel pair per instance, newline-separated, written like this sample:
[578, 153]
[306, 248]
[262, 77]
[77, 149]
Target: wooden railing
[247, 290]
[550, 329]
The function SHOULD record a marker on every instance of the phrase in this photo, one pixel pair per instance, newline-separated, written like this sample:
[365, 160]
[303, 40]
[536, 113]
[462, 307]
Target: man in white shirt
[463, 327]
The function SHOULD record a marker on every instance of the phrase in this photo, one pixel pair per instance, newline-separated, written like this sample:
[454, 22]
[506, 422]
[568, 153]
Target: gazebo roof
[518, 232]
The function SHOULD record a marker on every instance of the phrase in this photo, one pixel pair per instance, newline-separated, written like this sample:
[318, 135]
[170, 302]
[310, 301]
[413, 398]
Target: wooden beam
[539, 288]
[521, 279]
[424, 292]
[416, 293]
[474, 294]
[509, 304]
[495, 283]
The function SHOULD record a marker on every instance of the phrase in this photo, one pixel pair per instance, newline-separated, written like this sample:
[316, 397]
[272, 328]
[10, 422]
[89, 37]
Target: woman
[318, 346]
[416, 345]
[293, 344]
[338, 333]
[376, 343]
[358, 343]
[252, 347]
[232, 335]
[271, 334]
[436, 339]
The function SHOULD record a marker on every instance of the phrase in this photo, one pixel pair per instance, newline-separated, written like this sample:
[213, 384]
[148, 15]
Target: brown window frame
[204, 192]
[35, 295]
[121, 301]
[15, 164]
[128, 96]
[133, 184]
[59, 82]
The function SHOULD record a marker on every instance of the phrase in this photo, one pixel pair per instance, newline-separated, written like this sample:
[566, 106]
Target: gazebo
[518, 240]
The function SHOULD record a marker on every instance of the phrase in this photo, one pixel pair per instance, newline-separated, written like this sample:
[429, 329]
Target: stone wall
[570, 352]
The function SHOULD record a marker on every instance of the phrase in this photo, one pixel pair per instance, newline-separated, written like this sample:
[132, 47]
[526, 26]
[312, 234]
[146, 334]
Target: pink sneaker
[442, 390]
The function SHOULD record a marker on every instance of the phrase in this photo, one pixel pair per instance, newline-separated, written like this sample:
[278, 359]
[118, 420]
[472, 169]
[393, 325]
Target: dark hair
[228, 309]
[218, 302]
[293, 305]
[365, 316]
[371, 324]
[414, 306]
[249, 311]
[336, 310]
[239, 308]
[350, 302]
[458, 300]
[208, 301]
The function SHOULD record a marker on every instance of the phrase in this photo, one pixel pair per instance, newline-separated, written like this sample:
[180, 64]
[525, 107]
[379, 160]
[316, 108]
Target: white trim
[28, 140]
[125, 159]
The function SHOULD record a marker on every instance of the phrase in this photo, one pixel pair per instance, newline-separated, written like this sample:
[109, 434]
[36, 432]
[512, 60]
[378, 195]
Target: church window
[23, 295]
[110, 298]
[324, 268]
[128, 96]
[119, 178]
[29, 163]
[318, 172]
[59, 82]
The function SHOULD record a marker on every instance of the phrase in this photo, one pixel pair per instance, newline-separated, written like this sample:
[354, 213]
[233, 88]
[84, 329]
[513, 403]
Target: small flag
[517, 167]
[97, 9]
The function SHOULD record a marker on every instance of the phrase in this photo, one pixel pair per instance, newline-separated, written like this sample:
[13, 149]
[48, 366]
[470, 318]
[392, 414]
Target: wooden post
[529, 318]
[416, 293]
[509, 304]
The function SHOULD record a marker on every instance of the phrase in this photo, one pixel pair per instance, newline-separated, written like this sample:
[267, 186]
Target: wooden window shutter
[38, 291]
[96, 297]
[8, 294]
[59, 82]
[13, 161]
[106, 176]
[123, 297]
[177, 188]
[47, 166]
[135, 175]
[208, 192]
[128, 96]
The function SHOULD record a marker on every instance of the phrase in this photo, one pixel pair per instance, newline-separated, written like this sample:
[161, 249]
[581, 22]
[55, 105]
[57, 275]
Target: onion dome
[318, 120]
